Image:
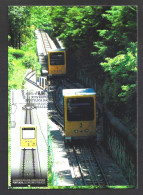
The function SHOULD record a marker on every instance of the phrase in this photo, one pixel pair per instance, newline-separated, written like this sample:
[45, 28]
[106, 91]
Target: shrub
[10, 64]
[29, 60]
[16, 52]
[30, 45]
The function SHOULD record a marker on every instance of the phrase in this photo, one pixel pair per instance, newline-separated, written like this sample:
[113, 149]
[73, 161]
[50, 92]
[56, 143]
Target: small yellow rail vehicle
[57, 62]
[28, 136]
[79, 113]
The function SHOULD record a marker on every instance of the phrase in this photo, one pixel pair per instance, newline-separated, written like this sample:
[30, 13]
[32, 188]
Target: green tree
[19, 24]
[119, 90]
[77, 26]
[120, 30]
[101, 40]
[40, 17]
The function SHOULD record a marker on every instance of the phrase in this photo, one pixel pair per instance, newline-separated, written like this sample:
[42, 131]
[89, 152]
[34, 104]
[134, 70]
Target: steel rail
[45, 36]
[33, 162]
[30, 113]
[98, 163]
[26, 117]
[79, 165]
[86, 162]
[43, 41]
[92, 173]
[56, 105]
[33, 72]
[48, 40]
[74, 164]
[23, 163]
[25, 78]
[26, 166]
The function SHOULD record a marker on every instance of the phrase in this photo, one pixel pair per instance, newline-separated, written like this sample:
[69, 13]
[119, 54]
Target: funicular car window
[28, 133]
[80, 109]
[57, 58]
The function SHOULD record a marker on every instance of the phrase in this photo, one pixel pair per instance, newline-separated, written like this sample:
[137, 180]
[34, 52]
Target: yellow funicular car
[28, 136]
[57, 62]
[79, 113]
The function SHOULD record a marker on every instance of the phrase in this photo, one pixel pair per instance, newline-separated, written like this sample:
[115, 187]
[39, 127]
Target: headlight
[86, 130]
[75, 131]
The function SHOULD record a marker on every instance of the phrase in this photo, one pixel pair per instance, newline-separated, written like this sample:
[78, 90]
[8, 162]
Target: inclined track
[30, 164]
[28, 169]
[86, 169]
[45, 42]
[89, 168]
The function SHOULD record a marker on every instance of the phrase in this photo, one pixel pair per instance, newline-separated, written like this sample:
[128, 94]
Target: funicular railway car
[79, 113]
[28, 136]
[56, 62]
[28, 130]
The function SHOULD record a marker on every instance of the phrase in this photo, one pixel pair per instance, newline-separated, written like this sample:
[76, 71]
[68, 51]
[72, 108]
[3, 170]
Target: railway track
[42, 54]
[30, 163]
[85, 166]
[28, 168]
[30, 74]
[45, 42]
[82, 156]
[53, 111]
[27, 78]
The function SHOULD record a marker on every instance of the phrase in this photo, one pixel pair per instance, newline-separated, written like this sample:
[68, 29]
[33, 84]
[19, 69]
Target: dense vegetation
[100, 40]
[110, 34]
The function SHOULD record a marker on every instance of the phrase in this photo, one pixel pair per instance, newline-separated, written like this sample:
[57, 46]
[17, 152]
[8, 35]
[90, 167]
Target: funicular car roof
[75, 92]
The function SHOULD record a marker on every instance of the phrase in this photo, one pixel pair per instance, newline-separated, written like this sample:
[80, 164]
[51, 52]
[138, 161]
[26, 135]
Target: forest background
[102, 41]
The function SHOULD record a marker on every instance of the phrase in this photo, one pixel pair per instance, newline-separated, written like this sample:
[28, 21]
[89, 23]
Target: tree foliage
[119, 31]
[39, 17]
[102, 40]
[110, 34]
[19, 24]
[122, 70]
[77, 26]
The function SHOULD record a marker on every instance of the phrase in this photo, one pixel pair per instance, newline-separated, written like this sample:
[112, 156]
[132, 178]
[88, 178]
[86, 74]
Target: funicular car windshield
[80, 109]
[57, 58]
[28, 133]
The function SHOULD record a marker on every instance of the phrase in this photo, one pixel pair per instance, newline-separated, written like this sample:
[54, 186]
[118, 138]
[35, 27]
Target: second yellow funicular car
[79, 113]
[56, 62]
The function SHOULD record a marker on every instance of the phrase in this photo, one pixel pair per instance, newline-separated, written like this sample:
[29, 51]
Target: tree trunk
[16, 39]
[19, 40]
